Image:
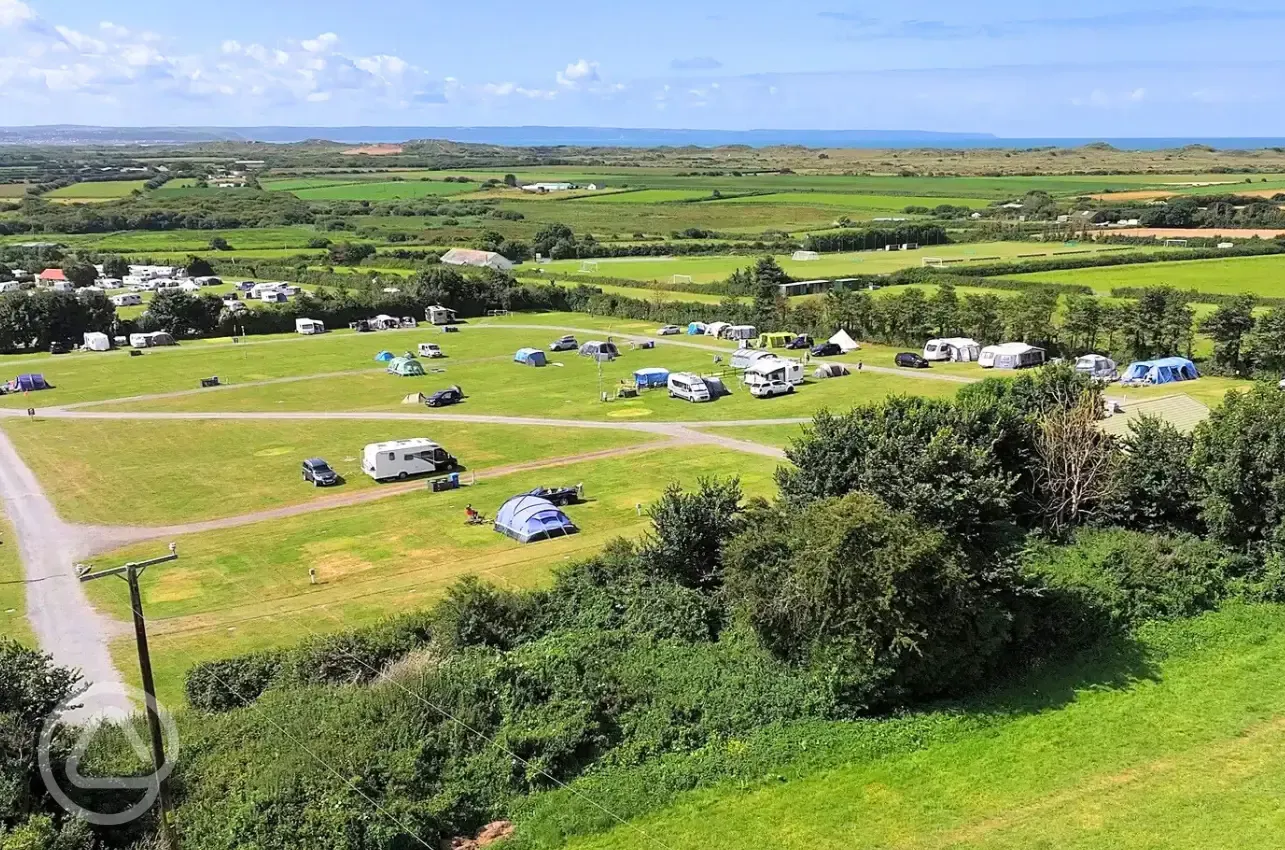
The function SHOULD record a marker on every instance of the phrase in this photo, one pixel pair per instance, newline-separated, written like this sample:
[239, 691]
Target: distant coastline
[595, 136]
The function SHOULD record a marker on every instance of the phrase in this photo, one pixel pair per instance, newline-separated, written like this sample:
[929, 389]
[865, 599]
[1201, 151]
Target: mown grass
[246, 588]
[13, 593]
[1175, 740]
[150, 472]
[847, 200]
[1263, 276]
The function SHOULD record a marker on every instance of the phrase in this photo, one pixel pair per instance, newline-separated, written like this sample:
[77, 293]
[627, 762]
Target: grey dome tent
[527, 518]
[384, 356]
[529, 357]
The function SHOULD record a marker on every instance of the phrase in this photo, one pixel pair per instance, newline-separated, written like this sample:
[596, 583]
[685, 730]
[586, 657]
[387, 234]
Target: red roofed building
[51, 275]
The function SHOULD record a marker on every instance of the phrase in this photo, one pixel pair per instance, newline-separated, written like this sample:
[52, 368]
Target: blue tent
[530, 356]
[696, 329]
[526, 518]
[1166, 370]
[24, 383]
[653, 377]
[384, 356]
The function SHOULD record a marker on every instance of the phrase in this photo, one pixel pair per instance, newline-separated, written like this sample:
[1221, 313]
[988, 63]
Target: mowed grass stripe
[1263, 276]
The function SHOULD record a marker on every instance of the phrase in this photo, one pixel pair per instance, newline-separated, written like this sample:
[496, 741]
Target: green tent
[405, 366]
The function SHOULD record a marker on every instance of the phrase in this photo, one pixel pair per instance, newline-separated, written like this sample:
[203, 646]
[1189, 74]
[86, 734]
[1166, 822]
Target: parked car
[430, 350]
[767, 389]
[566, 343]
[799, 342]
[58, 348]
[560, 496]
[319, 473]
[910, 360]
[442, 398]
[826, 349]
[669, 330]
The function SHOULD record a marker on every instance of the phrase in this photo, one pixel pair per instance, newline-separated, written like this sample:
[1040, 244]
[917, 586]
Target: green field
[1177, 740]
[891, 203]
[705, 269]
[150, 472]
[13, 623]
[107, 190]
[189, 241]
[392, 190]
[245, 588]
[650, 196]
[1233, 276]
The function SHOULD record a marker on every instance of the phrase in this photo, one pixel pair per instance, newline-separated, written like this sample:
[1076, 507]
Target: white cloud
[13, 13]
[1102, 99]
[323, 43]
[578, 73]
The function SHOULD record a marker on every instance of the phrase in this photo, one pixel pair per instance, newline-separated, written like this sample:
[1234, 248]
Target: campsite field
[712, 269]
[153, 472]
[1176, 739]
[245, 588]
[13, 623]
[1264, 276]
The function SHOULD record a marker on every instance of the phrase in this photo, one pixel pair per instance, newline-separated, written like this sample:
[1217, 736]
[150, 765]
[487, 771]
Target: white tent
[97, 342]
[845, 342]
[716, 328]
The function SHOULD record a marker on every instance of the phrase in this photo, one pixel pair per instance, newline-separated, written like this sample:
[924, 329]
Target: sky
[1090, 69]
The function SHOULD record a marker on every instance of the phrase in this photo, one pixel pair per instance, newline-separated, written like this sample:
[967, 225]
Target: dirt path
[66, 625]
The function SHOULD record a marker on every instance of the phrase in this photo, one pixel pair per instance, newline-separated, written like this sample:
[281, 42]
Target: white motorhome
[688, 387]
[309, 326]
[768, 369]
[438, 315]
[401, 459]
[954, 349]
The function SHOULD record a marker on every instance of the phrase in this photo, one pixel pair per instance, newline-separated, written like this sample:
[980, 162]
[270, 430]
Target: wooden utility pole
[130, 572]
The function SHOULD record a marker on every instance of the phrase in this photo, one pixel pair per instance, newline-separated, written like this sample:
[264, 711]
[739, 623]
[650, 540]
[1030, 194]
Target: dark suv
[911, 361]
[319, 473]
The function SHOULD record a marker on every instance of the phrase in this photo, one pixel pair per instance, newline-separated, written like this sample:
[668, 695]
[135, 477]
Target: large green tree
[1229, 327]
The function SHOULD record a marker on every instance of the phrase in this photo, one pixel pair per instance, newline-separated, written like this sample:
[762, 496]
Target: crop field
[1173, 740]
[1263, 276]
[12, 190]
[107, 190]
[244, 588]
[705, 269]
[650, 196]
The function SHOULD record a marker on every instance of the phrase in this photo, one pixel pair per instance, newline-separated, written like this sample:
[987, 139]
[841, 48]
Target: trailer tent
[406, 367]
[527, 518]
[384, 356]
[653, 377]
[530, 356]
[1166, 370]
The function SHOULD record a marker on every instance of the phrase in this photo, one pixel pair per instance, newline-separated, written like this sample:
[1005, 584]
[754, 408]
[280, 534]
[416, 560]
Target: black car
[442, 398]
[58, 348]
[911, 361]
[319, 473]
[560, 496]
[826, 349]
[799, 342]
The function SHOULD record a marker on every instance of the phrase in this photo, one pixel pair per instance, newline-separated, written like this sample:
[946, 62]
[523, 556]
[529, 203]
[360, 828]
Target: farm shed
[845, 342]
[1096, 366]
[530, 356]
[384, 356]
[1010, 355]
[652, 377]
[406, 367]
[477, 259]
[1166, 370]
[527, 518]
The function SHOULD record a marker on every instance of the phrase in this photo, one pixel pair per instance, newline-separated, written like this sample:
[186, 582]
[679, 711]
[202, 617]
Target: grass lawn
[1232, 276]
[710, 269]
[1209, 391]
[13, 621]
[154, 472]
[241, 589]
[771, 435]
[1184, 746]
[106, 190]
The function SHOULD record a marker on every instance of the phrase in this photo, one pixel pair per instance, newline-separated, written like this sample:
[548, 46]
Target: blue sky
[1016, 69]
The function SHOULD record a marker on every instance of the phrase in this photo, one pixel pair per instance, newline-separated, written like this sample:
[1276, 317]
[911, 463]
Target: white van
[401, 459]
[688, 387]
[309, 326]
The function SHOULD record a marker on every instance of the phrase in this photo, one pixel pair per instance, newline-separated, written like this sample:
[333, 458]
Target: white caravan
[768, 369]
[955, 349]
[309, 326]
[401, 459]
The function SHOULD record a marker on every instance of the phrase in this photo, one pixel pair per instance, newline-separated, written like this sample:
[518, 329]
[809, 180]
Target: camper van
[688, 387]
[309, 327]
[767, 369]
[400, 459]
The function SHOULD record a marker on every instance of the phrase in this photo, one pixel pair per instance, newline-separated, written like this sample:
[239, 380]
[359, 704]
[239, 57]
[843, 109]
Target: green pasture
[156, 472]
[1263, 276]
[188, 241]
[13, 622]
[650, 196]
[1175, 739]
[388, 191]
[247, 588]
[891, 203]
[621, 219]
[107, 190]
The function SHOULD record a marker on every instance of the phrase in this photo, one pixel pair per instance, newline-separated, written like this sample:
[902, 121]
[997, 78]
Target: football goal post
[1175, 243]
[935, 262]
[588, 266]
[681, 278]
